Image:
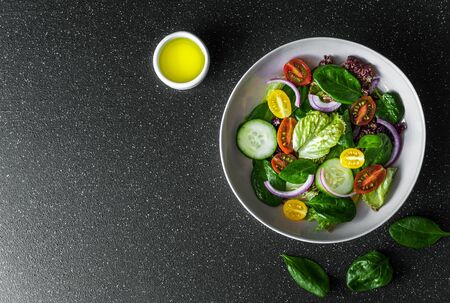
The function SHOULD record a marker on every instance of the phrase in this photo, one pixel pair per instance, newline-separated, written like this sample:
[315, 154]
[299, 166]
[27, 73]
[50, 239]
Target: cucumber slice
[339, 178]
[257, 139]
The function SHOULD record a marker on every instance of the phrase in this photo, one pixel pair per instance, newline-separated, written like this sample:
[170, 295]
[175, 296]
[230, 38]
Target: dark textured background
[111, 186]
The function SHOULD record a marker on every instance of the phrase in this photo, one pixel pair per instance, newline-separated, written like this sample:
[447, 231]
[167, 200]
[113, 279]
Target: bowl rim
[411, 186]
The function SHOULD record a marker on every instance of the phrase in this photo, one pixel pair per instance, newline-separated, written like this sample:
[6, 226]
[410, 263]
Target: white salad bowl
[249, 92]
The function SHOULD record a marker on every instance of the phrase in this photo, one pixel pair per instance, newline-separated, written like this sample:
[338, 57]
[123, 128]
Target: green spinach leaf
[328, 211]
[305, 107]
[370, 141]
[262, 171]
[416, 232]
[273, 177]
[298, 171]
[346, 139]
[298, 113]
[335, 152]
[308, 275]
[378, 155]
[261, 111]
[291, 94]
[338, 83]
[315, 89]
[390, 108]
[369, 271]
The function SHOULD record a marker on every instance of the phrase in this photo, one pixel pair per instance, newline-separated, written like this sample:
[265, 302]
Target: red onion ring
[397, 141]
[293, 193]
[292, 86]
[317, 104]
[374, 84]
[328, 188]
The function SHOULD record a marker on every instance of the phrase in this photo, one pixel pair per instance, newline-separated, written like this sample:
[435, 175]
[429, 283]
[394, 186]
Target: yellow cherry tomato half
[279, 103]
[295, 210]
[352, 158]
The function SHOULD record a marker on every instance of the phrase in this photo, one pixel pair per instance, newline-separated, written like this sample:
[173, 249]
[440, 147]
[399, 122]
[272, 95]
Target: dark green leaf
[369, 271]
[416, 232]
[305, 107]
[298, 171]
[308, 275]
[315, 89]
[258, 176]
[304, 90]
[273, 177]
[291, 94]
[335, 152]
[328, 211]
[370, 141]
[341, 110]
[298, 113]
[346, 139]
[390, 108]
[337, 82]
[378, 155]
[261, 111]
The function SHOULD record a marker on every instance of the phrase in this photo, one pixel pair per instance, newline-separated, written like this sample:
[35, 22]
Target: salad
[322, 140]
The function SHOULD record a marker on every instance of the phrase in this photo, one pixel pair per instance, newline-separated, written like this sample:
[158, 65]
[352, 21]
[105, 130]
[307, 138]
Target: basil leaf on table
[338, 83]
[390, 108]
[261, 111]
[328, 211]
[369, 271]
[262, 171]
[416, 232]
[298, 171]
[379, 155]
[308, 275]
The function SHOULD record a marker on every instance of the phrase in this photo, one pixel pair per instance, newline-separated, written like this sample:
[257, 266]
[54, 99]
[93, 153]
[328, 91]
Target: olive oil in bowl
[181, 60]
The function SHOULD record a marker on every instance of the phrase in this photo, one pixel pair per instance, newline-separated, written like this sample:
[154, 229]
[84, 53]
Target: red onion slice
[317, 104]
[374, 84]
[292, 86]
[328, 188]
[293, 193]
[397, 141]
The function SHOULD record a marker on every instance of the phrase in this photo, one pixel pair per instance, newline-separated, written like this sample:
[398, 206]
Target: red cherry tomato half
[285, 134]
[280, 161]
[362, 111]
[369, 179]
[297, 72]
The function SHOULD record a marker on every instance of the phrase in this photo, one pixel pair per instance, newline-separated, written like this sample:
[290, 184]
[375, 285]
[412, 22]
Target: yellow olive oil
[181, 60]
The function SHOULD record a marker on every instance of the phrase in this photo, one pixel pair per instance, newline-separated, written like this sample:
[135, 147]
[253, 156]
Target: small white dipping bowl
[249, 92]
[178, 85]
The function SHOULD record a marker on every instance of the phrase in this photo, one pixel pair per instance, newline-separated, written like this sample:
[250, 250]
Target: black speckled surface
[111, 184]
